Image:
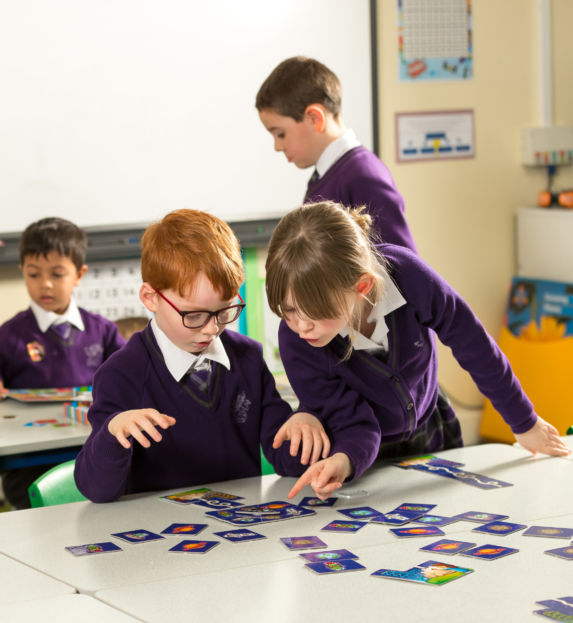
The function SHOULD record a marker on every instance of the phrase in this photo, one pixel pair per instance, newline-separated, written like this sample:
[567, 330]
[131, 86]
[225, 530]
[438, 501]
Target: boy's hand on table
[3, 391]
[308, 429]
[325, 476]
[543, 437]
[134, 422]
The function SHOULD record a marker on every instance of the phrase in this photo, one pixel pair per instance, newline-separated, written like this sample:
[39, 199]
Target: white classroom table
[22, 445]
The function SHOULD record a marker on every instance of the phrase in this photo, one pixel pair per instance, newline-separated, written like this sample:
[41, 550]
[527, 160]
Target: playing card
[434, 520]
[335, 566]
[431, 572]
[314, 502]
[344, 526]
[414, 507]
[191, 496]
[395, 519]
[231, 516]
[93, 548]
[238, 536]
[332, 554]
[216, 502]
[555, 615]
[479, 517]
[417, 531]
[184, 529]
[194, 547]
[562, 605]
[360, 512]
[500, 527]
[138, 536]
[489, 552]
[447, 546]
[303, 542]
[548, 531]
[269, 508]
[561, 552]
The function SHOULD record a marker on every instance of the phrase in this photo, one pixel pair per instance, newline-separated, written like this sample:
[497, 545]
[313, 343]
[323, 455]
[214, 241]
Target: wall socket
[543, 146]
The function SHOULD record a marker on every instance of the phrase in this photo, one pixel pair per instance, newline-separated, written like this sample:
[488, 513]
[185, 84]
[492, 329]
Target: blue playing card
[93, 548]
[240, 535]
[447, 546]
[394, 518]
[417, 531]
[434, 520]
[561, 552]
[138, 536]
[194, 547]
[303, 542]
[478, 517]
[331, 554]
[489, 552]
[335, 566]
[314, 502]
[184, 529]
[549, 531]
[360, 512]
[500, 527]
[344, 526]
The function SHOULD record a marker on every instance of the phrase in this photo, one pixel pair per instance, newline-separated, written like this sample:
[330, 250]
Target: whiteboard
[119, 111]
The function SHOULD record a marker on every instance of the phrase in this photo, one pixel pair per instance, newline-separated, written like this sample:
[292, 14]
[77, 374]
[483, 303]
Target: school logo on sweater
[36, 351]
[241, 408]
[94, 354]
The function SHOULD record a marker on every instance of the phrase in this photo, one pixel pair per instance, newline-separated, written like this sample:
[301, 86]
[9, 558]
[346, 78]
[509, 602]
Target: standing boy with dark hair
[53, 343]
[300, 105]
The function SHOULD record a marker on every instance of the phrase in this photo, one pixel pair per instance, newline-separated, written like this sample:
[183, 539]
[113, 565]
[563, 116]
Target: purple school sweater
[360, 178]
[364, 400]
[32, 359]
[217, 435]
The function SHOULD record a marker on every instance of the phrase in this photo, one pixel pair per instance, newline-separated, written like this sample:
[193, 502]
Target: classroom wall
[461, 212]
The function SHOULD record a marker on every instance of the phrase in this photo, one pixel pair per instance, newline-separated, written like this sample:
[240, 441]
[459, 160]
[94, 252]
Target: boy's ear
[147, 297]
[365, 284]
[82, 271]
[316, 115]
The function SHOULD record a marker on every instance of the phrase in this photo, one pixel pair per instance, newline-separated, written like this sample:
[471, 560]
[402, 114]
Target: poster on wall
[434, 135]
[434, 40]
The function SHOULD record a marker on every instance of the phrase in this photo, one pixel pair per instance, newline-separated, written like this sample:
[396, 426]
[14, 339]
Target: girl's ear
[315, 114]
[148, 297]
[365, 284]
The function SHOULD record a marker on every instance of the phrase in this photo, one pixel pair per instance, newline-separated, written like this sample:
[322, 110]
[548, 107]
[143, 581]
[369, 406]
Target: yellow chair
[56, 486]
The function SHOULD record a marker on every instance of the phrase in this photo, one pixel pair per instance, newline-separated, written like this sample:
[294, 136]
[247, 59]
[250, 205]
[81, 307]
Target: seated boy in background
[185, 403]
[53, 343]
[300, 105]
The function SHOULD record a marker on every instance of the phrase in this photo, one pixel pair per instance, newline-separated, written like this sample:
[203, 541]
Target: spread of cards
[410, 520]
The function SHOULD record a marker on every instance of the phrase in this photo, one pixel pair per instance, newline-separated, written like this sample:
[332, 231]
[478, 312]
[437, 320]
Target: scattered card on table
[561, 552]
[303, 542]
[335, 566]
[238, 536]
[138, 536]
[414, 507]
[447, 546]
[479, 517]
[555, 615]
[194, 547]
[417, 531]
[394, 519]
[434, 520]
[93, 548]
[360, 512]
[560, 605]
[314, 502]
[499, 527]
[548, 531]
[344, 526]
[431, 572]
[191, 496]
[184, 528]
[489, 552]
[332, 554]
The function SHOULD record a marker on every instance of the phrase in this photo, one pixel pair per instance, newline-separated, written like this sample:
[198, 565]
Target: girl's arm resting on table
[543, 437]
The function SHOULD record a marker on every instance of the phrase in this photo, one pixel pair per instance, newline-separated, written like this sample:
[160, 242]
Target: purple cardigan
[217, 435]
[32, 359]
[360, 178]
[364, 400]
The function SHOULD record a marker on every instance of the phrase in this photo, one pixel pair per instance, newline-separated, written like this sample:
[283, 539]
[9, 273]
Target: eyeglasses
[198, 319]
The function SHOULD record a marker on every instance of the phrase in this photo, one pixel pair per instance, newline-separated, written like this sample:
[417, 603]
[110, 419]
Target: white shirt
[391, 301]
[179, 361]
[336, 150]
[46, 319]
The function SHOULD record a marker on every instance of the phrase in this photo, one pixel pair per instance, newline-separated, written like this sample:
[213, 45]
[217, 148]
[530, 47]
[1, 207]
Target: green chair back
[56, 486]
[266, 467]
[570, 430]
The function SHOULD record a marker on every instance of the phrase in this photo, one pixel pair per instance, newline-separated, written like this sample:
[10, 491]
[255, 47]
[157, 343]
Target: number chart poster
[434, 40]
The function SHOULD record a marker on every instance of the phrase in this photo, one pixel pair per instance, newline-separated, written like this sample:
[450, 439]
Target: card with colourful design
[271, 511]
[335, 566]
[184, 529]
[316, 502]
[434, 520]
[240, 535]
[555, 615]
[431, 572]
[549, 531]
[268, 508]
[231, 516]
[360, 512]
[394, 519]
[331, 554]
[303, 542]
[414, 507]
[191, 496]
[344, 526]
[447, 546]
[489, 552]
[138, 536]
[500, 527]
[93, 548]
[194, 547]
[479, 517]
[558, 609]
[561, 552]
[417, 531]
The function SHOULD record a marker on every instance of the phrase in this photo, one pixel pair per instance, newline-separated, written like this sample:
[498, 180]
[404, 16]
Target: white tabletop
[17, 438]
[64, 609]
[20, 583]
[37, 537]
